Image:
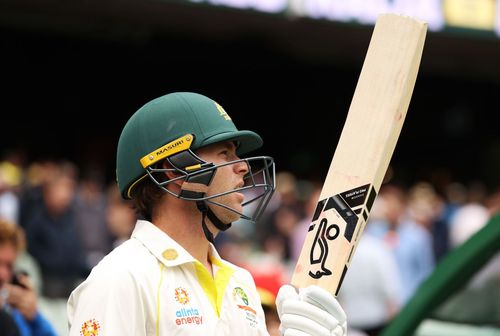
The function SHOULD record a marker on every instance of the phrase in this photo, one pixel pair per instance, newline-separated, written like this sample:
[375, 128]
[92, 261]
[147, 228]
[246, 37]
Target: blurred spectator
[371, 291]
[286, 195]
[37, 174]
[476, 192]
[284, 221]
[456, 196]
[286, 187]
[492, 203]
[410, 243]
[120, 216]
[427, 209]
[90, 216]
[269, 275]
[10, 180]
[276, 246]
[53, 236]
[19, 314]
[467, 220]
[300, 231]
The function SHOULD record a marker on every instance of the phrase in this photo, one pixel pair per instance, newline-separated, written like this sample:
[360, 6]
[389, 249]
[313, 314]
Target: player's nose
[241, 167]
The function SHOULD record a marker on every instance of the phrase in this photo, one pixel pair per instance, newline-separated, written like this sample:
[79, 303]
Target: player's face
[226, 178]
[7, 259]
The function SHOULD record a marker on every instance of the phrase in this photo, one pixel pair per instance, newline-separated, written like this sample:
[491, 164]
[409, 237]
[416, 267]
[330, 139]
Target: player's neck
[182, 223]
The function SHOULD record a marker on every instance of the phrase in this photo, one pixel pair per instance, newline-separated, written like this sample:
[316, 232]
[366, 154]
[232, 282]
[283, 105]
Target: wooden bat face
[365, 148]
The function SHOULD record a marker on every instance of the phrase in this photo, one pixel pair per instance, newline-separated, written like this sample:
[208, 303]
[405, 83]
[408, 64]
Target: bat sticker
[323, 233]
[333, 214]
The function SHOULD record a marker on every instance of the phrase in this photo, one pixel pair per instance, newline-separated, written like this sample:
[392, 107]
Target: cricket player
[178, 159]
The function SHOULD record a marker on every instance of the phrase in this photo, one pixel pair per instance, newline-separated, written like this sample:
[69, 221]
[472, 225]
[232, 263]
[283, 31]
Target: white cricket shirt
[150, 285]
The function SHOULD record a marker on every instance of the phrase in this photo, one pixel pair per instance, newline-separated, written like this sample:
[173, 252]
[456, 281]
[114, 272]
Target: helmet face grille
[259, 184]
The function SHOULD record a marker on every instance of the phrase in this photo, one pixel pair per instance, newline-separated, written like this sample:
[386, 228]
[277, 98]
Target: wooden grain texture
[367, 142]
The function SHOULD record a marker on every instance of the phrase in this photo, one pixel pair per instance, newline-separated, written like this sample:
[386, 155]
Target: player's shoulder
[129, 257]
[120, 274]
[121, 268]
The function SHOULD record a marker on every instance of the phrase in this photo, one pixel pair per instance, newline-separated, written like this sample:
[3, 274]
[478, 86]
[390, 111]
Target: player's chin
[239, 198]
[234, 215]
[228, 215]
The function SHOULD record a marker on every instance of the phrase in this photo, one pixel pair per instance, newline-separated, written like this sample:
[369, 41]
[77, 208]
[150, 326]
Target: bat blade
[367, 142]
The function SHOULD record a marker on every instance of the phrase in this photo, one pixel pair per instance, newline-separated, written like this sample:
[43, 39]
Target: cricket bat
[367, 142]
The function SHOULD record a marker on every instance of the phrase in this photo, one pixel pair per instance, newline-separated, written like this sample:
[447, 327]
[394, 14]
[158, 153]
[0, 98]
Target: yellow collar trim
[214, 288]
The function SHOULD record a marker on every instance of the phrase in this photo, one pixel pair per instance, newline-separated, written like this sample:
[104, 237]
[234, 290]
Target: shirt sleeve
[107, 303]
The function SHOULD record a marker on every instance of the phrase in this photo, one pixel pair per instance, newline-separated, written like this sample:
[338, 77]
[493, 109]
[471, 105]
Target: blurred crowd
[72, 216]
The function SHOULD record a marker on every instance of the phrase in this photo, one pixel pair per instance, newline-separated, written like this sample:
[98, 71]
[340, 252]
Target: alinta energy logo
[186, 315]
[181, 295]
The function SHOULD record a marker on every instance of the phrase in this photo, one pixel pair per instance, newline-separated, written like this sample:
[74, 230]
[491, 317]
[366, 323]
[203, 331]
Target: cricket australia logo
[243, 303]
[240, 295]
[222, 112]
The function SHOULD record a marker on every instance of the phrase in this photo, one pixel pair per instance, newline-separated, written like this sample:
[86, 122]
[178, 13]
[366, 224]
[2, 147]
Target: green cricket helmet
[170, 128]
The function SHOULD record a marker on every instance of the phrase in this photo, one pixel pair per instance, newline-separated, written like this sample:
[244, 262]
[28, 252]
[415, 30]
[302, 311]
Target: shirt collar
[164, 248]
[214, 256]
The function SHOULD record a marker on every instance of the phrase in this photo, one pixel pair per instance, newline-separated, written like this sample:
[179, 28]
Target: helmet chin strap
[187, 161]
[207, 212]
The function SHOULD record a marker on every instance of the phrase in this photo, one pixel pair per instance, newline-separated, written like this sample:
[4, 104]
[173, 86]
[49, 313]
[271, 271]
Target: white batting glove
[312, 311]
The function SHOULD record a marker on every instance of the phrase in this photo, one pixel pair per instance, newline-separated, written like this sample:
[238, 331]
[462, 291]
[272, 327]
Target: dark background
[73, 72]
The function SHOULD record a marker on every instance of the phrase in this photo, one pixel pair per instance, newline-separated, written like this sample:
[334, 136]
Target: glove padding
[312, 311]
